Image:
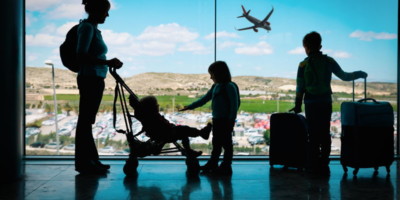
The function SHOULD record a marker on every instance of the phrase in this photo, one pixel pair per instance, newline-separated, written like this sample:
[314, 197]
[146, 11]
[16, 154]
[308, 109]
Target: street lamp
[49, 62]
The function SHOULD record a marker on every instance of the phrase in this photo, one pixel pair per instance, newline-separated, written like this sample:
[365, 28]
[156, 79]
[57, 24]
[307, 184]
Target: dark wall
[12, 88]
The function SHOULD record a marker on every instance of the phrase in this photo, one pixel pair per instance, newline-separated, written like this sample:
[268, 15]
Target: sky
[178, 36]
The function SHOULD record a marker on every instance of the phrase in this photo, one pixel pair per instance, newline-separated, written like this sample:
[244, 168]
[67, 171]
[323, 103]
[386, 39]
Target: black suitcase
[367, 134]
[288, 140]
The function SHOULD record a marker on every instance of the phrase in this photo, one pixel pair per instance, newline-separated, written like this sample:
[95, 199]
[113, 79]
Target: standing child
[225, 100]
[314, 84]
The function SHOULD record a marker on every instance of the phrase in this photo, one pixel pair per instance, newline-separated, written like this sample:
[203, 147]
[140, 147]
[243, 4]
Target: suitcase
[288, 140]
[367, 134]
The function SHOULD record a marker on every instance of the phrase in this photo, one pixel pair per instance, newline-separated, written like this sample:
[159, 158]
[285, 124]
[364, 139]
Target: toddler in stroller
[156, 127]
[159, 129]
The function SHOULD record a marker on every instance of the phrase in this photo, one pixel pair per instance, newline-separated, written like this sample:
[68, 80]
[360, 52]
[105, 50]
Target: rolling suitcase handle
[365, 91]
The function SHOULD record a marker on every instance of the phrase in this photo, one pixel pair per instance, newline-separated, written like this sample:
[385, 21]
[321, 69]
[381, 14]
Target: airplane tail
[245, 13]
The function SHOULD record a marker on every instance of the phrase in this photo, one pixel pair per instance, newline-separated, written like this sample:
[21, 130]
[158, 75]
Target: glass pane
[264, 63]
[166, 47]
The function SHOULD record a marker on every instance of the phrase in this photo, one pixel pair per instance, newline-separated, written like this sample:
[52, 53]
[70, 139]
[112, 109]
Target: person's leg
[186, 131]
[318, 117]
[91, 92]
[325, 136]
[183, 133]
[212, 163]
[312, 115]
[227, 143]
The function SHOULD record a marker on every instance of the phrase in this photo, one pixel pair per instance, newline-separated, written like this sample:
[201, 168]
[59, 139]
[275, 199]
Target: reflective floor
[167, 180]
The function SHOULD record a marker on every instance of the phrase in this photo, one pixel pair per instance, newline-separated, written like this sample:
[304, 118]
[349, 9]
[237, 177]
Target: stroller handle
[133, 98]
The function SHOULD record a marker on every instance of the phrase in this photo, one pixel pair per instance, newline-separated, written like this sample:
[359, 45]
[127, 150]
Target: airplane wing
[247, 28]
[269, 15]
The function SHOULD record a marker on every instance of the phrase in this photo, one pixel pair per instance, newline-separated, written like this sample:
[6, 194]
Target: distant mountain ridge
[39, 80]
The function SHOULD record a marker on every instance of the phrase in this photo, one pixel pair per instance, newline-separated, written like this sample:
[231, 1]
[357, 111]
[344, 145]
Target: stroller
[140, 149]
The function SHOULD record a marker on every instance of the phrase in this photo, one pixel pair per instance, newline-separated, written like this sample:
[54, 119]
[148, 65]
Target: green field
[166, 103]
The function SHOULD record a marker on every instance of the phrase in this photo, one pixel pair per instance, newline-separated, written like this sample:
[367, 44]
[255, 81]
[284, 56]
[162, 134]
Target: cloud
[195, 47]
[337, 54]
[169, 33]
[261, 48]
[176, 38]
[370, 35]
[42, 5]
[29, 19]
[67, 11]
[112, 38]
[43, 40]
[228, 44]
[63, 29]
[341, 54]
[297, 51]
[222, 34]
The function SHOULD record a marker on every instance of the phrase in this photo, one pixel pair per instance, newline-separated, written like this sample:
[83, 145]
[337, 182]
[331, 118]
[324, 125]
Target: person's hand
[115, 63]
[361, 74]
[183, 109]
[296, 109]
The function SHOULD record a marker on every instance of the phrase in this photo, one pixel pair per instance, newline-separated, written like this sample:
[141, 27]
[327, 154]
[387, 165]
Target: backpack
[68, 50]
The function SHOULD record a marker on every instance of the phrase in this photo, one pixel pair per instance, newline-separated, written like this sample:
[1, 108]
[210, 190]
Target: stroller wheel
[193, 166]
[131, 166]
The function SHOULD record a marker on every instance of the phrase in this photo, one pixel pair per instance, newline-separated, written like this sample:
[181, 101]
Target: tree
[67, 108]
[267, 136]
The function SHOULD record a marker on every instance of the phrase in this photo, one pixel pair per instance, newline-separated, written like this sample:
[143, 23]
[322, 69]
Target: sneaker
[205, 132]
[91, 168]
[98, 163]
[207, 168]
[192, 153]
[223, 170]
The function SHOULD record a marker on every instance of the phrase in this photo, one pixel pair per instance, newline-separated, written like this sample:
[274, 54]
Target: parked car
[66, 130]
[121, 153]
[107, 149]
[70, 147]
[48, 122]
[52, 145]
[37, 145]
[253, 140]
[31, 131]
[235, 142]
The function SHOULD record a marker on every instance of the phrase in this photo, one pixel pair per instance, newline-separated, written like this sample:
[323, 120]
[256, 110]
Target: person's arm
[86, 34]
[200, 102]
[300, 88]
[345, 76]
[233, 97]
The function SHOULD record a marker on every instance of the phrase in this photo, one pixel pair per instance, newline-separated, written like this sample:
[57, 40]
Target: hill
[39, 80]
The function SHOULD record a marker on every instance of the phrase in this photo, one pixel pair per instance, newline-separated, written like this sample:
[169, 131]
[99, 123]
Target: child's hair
[220, 71]
[312, 41]
[149, 104]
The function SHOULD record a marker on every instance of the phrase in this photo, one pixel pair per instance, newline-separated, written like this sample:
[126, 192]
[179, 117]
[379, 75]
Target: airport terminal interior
[51, 178]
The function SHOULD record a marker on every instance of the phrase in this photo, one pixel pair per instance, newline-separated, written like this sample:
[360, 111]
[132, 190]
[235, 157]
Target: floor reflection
[141, 192]
[221, 187]
[86, 186]
[294, 184]
[373, 187]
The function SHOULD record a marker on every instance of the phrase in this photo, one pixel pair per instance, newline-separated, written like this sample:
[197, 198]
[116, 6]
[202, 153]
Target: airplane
[257, 23]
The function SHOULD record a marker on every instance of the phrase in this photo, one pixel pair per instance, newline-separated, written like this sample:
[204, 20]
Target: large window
[167, 46]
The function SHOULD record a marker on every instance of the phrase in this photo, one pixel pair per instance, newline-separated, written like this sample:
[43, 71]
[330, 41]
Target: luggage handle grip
[365, 89]
[367, 99]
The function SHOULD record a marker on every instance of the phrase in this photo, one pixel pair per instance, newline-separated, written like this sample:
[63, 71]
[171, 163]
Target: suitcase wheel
[355, 171]
[131, 166]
